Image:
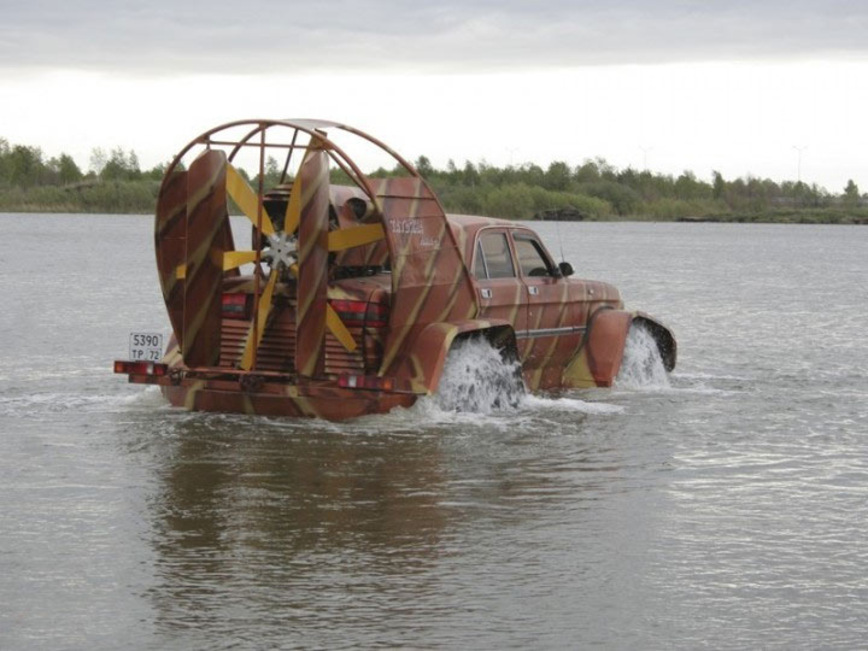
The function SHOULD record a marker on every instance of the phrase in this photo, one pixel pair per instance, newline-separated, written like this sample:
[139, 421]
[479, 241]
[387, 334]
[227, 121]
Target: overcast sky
[742, 87]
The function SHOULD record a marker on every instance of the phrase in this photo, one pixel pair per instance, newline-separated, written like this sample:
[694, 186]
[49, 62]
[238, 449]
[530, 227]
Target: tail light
[236, 306]
[141, 368]
[366, 382]
[362, 313]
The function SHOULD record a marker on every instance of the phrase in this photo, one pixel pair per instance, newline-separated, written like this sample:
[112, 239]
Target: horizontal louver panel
[277, 349]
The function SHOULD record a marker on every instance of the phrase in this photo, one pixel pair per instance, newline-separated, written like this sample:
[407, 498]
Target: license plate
[146, 346]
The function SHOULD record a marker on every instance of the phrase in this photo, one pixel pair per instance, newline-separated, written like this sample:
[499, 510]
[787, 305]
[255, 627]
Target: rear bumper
[273, 395]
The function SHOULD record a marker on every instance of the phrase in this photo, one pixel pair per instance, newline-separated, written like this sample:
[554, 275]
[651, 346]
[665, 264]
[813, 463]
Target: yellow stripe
[333, 322]
[305, 301]
[253, 338]
[246, 198]
[181, 271]
[339, 330]
[293, 208]
[192, 391]
[234, 259]
[348, 238]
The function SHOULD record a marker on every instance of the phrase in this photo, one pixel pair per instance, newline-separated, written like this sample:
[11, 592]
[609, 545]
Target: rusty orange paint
[397, 303]
[208, 236]
[312, 264]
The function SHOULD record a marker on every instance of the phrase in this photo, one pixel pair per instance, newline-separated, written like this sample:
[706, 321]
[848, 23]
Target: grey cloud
[271, 36]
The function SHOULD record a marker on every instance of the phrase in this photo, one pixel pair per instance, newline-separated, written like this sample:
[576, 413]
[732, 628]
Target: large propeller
[299, 250]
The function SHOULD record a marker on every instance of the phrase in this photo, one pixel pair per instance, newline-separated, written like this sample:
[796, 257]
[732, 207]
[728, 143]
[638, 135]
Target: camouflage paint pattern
[170, 243]
[565, 332]
[208, 236]
[430, 282]
[312, 263]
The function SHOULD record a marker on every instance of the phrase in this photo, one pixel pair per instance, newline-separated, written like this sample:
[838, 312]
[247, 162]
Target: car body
[353, 293]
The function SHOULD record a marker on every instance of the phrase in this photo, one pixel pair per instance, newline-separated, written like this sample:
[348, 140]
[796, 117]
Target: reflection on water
[235, 512]
[320, 523]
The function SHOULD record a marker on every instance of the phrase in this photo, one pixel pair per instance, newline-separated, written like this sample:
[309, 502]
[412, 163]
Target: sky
[773, 90]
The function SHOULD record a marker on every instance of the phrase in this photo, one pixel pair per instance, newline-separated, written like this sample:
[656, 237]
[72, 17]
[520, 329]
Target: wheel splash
[642, 366]
[477, 379]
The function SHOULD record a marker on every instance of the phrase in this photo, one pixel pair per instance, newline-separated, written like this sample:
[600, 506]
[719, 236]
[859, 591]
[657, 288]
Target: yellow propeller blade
[246, 198]
[234, 259]
[347, 238]
[333, 322]
[253, 338]
[339, 330]
[293, 208]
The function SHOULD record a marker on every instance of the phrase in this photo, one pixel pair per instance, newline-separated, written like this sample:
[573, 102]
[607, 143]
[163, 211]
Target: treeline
[593, 190]
[115, 183]
[597, 190]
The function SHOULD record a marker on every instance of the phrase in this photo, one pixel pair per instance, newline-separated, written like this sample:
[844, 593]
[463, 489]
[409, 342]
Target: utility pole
[799, 168]
[645, 151]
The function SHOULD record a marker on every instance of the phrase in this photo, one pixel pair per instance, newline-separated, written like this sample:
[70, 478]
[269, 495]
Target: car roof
[466, 227]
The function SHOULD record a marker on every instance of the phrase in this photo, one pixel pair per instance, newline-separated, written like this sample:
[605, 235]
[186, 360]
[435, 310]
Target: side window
[530, 257]
[496, 256]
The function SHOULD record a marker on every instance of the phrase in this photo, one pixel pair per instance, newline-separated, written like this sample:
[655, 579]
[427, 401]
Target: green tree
[557, 176]
[532, 174]
[133, 165]
[851, 194]
[588, 172]
[424, 167]
[4, 162]
[718, 188]
[156, 173]
[121, 166]
[273, 172]
[622, 198]
[26, 168]
[687, 186]
[98, 160]
[470, 175]
[67, 170]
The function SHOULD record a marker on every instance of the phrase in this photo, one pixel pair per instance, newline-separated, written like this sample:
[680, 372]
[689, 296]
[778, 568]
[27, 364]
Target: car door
[555, 312]
[502, 295]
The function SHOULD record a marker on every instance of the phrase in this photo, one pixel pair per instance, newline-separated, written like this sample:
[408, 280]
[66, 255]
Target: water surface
[726, 509]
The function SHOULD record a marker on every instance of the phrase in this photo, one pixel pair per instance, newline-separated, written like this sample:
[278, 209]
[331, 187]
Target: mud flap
[607, 336]
[599, 360]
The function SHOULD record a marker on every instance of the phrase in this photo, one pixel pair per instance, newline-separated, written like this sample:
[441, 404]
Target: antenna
[560, 239]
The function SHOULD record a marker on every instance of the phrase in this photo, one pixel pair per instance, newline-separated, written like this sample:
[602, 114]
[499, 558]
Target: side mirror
[566, 269]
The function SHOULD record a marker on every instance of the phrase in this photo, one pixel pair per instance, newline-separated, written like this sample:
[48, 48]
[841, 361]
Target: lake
[725, 508]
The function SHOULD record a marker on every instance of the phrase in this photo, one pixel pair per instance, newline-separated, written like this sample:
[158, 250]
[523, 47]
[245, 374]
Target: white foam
[562, 403]
[642, 367]
[477, 379]
[59, 402]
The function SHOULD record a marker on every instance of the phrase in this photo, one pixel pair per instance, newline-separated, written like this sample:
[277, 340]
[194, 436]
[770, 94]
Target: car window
[530, 257]
[496, 255]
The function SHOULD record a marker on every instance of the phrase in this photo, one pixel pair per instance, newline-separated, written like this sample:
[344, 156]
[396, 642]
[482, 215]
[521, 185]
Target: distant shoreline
[593, 191]
[795, 218]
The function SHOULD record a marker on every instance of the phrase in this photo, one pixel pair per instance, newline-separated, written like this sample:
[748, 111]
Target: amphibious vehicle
[355, 287]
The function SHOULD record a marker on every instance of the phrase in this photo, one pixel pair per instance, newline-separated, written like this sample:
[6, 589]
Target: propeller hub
[282, 249]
